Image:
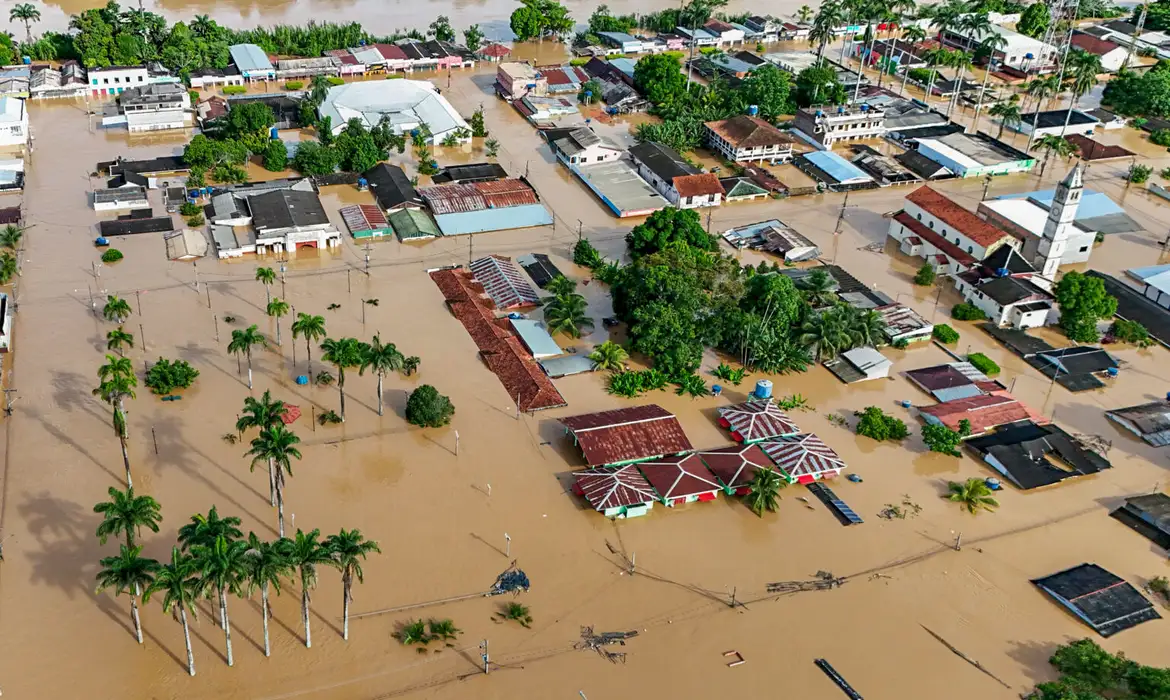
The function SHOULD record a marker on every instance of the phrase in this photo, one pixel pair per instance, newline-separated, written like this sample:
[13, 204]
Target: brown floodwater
[440, 530]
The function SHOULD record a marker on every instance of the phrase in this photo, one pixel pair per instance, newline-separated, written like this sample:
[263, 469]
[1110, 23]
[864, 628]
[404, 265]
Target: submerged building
[408, 104]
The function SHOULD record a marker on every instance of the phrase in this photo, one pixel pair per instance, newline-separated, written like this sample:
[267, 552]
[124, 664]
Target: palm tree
[263, 413]
[203, 530]
[819, 288]
[306, 554]
[1008, 112]
[266, 276]
[866, 326]
[276, 309]
[223, 566]
[1050, 144]
[128, 573]
[383, 359]
[201, 26]
[973, 495]
[990, 44]
[826, 333]
[179, 584]
[960, 61]
[560, 285]
[313, 328]
[27, 13]
[410, 365]
[276, 445]
[935, 58]
[10, 237]
[242, 342]
[1040, 89]
[566, 314]
[7, 267]
[1084, 68]
[116, 310]
[117, 339]
[804, 14]
[116, 381]
[348, 549]
[609, 356]
[830, 15]
[127, 514]
[765, 491]
[268, 564]
[342, 353]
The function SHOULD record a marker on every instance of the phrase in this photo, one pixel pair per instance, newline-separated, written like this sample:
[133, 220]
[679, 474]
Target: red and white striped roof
[803, 455]
[679, 476]
[503, 282]
[756, 420]
[615, 488]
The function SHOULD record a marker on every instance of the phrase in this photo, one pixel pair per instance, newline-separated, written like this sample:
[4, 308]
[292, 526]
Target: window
[931, 223]
[140, 78]
[105, 81]
[1084, 249]
[970, 250]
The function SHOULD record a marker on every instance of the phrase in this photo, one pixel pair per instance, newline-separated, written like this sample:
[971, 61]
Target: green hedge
[111, 255]
[234, 89]
[945, 334]
[334, 80]
[967, 312]
[294, 85]
[983, 363]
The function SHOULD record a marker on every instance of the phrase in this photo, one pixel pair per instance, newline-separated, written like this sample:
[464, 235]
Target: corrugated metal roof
[477, 196]
[803, 455]
[493, 219]
[735, 466]
[679, 477]
[627, 434]
[837, 167]
[249, 58]
[566, 365]
[536, 338]
[615, 488]
[504, 283]
[756, 420]
[363, 217]
[413, 223]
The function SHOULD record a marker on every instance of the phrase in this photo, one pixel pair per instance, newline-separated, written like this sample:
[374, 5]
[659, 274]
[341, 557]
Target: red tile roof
[985, 411]
[735, 466]
[627, 434]
[961, 256]
[390, 52]
[10, 215]
[679, 477]
[614, 488]
[694, 185]
[718, 26]
[495, 50]
[744, 131]
[1092, 44]
[950, 212]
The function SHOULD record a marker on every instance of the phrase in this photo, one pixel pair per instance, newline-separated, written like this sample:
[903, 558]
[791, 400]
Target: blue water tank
[864, 108]
[1112, 371]
[840, 110]
[763, 389]
[716, 389]
[1029, 56]
[363, 184]
[274, 133]
[1002, 272]
[753, 110]
[302, 379]
[905, 403]
[26, 60]
[820, 113]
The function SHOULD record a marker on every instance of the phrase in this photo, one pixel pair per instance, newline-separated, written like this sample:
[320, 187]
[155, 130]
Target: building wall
[14, 133]
[1157, 296]
[1001, 315]
[900, 233]
[977, 251]
[696, 202]
[762, 153]
[1027, 319]
[114, 82]
[666, 189]
[594, 154]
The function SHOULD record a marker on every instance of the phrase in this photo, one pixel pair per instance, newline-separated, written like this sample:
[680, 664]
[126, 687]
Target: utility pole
[215, 320]
[507, 545]
[283, 268]
[207, 289]
[195, 266]
[1137, 31]
[348, 281]
[837, 228]
[486, 661]
[142, 337]
[469, 253]
[986, 186]
[138, 295]
[709, 212]
[579, 226]
[8, 401]
[367, 258]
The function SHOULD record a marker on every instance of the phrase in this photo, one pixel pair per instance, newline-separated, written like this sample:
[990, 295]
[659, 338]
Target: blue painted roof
[837, 167]
[625, 65]
[250, 58]
[536, 338]
[620, 37]
[1093, 203]
[1144, 273]
[501, 219]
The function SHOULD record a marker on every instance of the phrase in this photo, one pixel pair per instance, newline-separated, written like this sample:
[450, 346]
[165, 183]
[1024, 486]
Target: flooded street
[442, 534]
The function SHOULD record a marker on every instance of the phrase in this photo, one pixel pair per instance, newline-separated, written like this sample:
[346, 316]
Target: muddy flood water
[442, 534]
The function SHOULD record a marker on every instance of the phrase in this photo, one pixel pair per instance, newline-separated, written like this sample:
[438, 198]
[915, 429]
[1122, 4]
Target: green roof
[745, 188]
[413, 223]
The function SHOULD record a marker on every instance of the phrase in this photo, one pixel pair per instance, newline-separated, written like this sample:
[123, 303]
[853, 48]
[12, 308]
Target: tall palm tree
[10, 237]
[263, 413]
[27, 13]
[804, 14]
[277, 445]
[126, 514]
[609, 356]
[960, 61]
[129, 573]
[179, 584]
[7, 267]
[566, 314]
[223, 566]
[116, 382]
[1008, 112]
[830, 15]
[268, 564]
[202, 25]
[1041, 88]
[348, 549]
[382, 359]
[266, 276]
[1052, 144]
[116, 309]
[306, 554]
[342, 353]
[991, 43]
[764, 491]
[313, 328]
[242, 343]
[935, 58]
[203, 530]
[117, 339]
[1083, 69]
[973, 495]
[818, 288]
[276, 309]
[826, 333]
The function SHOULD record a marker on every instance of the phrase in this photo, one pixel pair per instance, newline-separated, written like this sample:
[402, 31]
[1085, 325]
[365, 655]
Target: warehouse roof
[503, 282]
[391, 187]
[627, 434]
[285, 209]
[249, 58]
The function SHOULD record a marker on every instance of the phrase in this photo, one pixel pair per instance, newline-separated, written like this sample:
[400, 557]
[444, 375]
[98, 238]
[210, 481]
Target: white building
[1005, 288]
[1113, 55]
[13, 122]
[128, 197]
[114, 80]
[724, 33]
[581, 146]
[67, 81]
[1019, 50]
[1056, 122]
[211, 77]
[276, 221]
[746, 138]
[940, 231]
[154, 107]
[1048, 251]
[407, 103]
[677, 181]
[251, 62]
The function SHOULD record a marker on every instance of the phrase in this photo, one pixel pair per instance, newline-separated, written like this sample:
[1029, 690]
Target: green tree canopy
[356, 149]
[313, 158]
[526, 24]
[659, 77]
[667, 226]
[1083, 302]
[768, 88]
[1034, 20]
[818, 85]
[427, 408]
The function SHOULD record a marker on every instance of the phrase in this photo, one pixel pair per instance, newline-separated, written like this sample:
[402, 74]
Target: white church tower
[1046, 251]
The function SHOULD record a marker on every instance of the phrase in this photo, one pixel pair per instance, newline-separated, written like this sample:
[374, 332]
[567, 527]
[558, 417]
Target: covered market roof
[753, 421]
[615, 488]
[627, 434]
[503, 282]
[804, 455]
[735, 466]
[679, 476]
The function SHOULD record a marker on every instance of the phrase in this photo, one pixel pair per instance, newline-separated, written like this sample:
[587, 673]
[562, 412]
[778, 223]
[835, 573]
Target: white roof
[946, 151]
[1016, 42]
[408, 103]
[1156, 276]
[867, 359]
[1021, 212]
[12, 109]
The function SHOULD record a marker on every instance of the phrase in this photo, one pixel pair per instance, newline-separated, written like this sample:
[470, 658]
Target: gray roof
[1149, 420]
[250, 58]
[1009, 290]
[663, 161]
[285, 209]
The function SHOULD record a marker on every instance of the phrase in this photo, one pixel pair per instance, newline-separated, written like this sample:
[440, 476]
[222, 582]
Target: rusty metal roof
[627, 434]
[503, 282]
[735, 466]
[363, 217]
[477, 196]
[756, 420]
[803, 455]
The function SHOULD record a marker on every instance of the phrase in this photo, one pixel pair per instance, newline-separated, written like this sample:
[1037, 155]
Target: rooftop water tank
[764, 389]
[820, 113]
[840, 110]
[864, 108]
[1002, 272]
[753, 110]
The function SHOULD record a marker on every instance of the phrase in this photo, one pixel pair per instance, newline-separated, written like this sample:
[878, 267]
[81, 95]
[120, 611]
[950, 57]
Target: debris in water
[597, 641]
[513, 580]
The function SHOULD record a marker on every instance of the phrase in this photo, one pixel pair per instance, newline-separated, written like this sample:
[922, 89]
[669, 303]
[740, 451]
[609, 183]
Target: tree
[659, 77]
[826, 333]
[526, 23]
[349, 549]
[768, 88]
[275, 156]
[567, 314]
[818, 85]
[478, 129]
[473, 38]
[1053, 144]
[876, 424]
[117, 339]
[267, 564]
[313, 328]
[204, 530]
[27, 13]
[126, 514]
[1083, 303]
[242, 343]
[609, 356]
[313, 158]
[356, 149]
[116, 381]
[764, 491]
[491, 148]
[164, 376]
[427, 408]
[819, 288]
[276, 309]
[7, 267]
[223, 565]
[10, 237]
[129, 573]
[830, 15]
[804, 14]
[1034, 20]
[973, 495]
[276, 445]
[925, 275]
[116, 310]
[266, 276]
[1008, 112]
[342, 353]
[262, 414]
[250, 121]
[441, 29]
[667, 226]
[1082, 70]
[306, 553]
[940, 438]
[382, 359]
[179, 584]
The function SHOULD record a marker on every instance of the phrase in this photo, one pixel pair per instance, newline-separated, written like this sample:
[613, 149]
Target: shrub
[967, 312]
[194, 95]
[1130, 332]
[227, 172]
[727, 374]
[196, 220]
[111, 255]
[334, 80]
[925, 275]
[190, 209]
[294, 85]
[329, 417]
[901, 343]
[1160, 137]
[234, 89]
[585, 255]
[940, 438]
[1165, 173]
[165, 376]
[945, 334]
[876, 424]
[1139, 174]
[427, 408]
[983, 363]
[578, 61]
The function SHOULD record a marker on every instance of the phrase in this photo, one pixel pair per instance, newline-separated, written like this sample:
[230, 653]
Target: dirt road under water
[442, 534]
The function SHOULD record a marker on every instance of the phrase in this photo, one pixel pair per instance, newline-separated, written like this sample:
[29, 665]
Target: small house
[392, 188]
[128, 197]
[755, 421]
[955, 380]
[1149, 421]
[736, 466]
[1101, 600]
[616, 493]
[623, 41]
[803, 458]
[680, 479]
[1149, 515]
[676, 180]
[741, 189]
[983, 412]
[251, 62]
[903, 324]
[1031, 455]
[515, 80]
[13, 122]
[625, 435]
[413, 224]
[366, 221]
[860, 365]
[579, 145]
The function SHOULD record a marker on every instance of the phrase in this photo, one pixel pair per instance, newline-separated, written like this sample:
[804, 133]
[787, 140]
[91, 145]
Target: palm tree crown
[566, 314]
[127, 514]
[313, 328]
[348, 549]
[27, 13]
[382, 359]
[342, 353]
[276, 446]
[204, 530]
[261, 413]
[266, 276]
[223, 565]
[973, 495]
[116, 309]
[119, 338]
[765, 491]
[609, 356]
[129, 573]
[180, 585]
[242, 343]
[10, 236]
[268, 563]
[306, 554]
